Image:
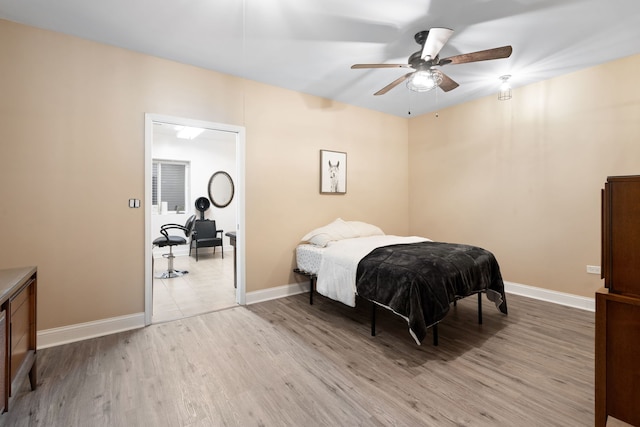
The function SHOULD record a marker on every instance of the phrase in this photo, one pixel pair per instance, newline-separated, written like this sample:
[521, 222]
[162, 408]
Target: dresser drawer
[19, 330]
[19, 300]
[18, 289]
[3, 360]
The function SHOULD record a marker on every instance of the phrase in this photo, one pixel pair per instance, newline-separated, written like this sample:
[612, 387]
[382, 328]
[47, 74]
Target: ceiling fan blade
[393, 84]
[435, 41]
[447, 83]
[482, 55]
[353, 67]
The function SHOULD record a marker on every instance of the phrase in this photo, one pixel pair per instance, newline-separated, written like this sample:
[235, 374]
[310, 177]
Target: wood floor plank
[288, 363]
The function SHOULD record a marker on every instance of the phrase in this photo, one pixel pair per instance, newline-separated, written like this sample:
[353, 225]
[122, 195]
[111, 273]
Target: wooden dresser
[18, 291]
[617, 350]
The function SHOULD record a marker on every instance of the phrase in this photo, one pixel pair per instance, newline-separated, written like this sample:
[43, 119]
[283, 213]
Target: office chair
[171, 241]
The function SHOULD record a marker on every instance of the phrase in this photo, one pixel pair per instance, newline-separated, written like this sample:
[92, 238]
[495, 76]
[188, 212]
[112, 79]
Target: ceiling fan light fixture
[505, 88]
[424, 80]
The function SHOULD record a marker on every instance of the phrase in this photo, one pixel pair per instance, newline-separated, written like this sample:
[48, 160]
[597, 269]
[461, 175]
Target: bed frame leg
[373, 319]
[312, 281]
[480, 308]
[435, 334]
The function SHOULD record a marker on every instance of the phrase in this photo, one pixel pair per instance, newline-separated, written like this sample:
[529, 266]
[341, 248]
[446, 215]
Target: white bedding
[309, 257]
[337, 271]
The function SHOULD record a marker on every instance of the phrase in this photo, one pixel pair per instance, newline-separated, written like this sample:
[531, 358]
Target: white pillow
[337, 230]
[363, 229]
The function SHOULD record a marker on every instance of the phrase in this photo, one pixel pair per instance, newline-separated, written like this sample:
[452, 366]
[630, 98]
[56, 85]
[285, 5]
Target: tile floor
[207, 287]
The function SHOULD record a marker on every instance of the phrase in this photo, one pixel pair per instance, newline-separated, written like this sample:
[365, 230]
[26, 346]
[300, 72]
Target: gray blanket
[419, 281]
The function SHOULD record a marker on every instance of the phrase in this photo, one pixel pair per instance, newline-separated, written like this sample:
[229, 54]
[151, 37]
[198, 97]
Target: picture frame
[333, 172]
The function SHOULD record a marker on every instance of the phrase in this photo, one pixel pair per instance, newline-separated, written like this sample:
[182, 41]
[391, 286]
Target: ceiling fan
[425, 76]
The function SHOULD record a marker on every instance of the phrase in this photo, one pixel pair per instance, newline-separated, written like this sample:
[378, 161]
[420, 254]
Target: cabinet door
[3, 360]
[623, 370]
[624, 236]
[605, 250]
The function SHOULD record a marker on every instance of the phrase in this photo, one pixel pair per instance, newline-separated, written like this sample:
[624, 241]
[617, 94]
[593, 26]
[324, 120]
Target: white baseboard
[277, 292]
[556, 297]
[83, 331]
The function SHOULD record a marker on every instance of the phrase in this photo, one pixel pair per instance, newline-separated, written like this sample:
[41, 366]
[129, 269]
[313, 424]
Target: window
[169, 181]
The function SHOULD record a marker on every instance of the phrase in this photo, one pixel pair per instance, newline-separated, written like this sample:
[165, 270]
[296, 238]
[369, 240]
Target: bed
[416, 278]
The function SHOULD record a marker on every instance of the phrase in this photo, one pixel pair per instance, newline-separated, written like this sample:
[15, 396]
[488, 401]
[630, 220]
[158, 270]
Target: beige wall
[523, 177]
[285, 131]
[72, 154]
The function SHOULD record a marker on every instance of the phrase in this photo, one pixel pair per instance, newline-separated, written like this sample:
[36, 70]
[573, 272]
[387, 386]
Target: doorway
[178, 171]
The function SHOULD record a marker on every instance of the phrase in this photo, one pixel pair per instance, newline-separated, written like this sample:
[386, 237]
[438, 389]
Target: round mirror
[221, 189]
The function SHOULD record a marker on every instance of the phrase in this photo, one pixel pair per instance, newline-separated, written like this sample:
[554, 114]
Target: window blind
[169, 184]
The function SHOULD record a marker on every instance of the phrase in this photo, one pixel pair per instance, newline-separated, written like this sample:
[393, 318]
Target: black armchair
[171, 241]
[206, 235]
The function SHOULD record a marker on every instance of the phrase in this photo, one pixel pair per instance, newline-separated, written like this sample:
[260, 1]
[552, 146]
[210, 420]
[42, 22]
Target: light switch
[132, 203]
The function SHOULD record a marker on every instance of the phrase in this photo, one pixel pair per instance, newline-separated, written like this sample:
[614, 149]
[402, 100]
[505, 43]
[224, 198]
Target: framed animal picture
[333, 172]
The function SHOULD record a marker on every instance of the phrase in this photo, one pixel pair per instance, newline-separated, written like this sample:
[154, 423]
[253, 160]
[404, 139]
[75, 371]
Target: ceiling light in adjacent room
[505, 88]
[187, 132]
[424, 80]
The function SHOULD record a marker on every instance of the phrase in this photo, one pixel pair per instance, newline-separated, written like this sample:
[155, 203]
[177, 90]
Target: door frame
[239, 131]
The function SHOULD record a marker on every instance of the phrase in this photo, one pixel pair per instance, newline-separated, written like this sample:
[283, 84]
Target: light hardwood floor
[286, 363]
[207, 287]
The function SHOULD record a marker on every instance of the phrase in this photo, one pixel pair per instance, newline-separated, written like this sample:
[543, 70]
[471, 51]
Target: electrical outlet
[593, 269]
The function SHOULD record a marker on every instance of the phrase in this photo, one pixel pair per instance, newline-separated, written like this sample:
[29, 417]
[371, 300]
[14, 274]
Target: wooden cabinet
[617, 369]
[617, 381]
[18, 297]
[3, 359]
[621, 235]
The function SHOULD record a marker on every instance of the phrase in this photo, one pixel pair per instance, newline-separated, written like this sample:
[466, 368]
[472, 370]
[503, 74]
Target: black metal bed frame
[313, 278]
[312, 281]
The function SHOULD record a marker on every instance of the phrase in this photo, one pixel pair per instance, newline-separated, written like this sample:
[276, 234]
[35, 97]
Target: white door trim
[149, 119]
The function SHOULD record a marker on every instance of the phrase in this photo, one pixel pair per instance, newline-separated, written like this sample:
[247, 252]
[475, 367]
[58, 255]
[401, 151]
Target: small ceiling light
[505, 88]
[424, 80]
[187, 132]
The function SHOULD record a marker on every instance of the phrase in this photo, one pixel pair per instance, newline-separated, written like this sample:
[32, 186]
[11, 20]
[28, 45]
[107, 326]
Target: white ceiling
[309, 45]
